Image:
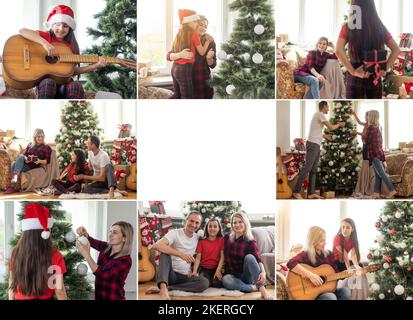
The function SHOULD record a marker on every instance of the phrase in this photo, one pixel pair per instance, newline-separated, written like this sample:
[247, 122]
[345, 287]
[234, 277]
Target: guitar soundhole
[52, 60]
[324, 278]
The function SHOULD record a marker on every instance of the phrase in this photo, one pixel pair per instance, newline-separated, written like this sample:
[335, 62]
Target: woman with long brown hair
[36, 268]
[114, 261]
[346, 245]
[371, 35]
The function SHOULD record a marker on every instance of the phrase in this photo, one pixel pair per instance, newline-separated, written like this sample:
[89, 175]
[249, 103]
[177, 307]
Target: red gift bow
[404, 37]
[123, 127]
[408, 86]
[376, 65]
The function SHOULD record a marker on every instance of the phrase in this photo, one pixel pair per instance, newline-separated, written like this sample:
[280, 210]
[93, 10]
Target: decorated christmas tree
[394, 253]
[63, 238]
[340, 157]
[220, 209]
[247, 63]
[115, 36]
[79, 122]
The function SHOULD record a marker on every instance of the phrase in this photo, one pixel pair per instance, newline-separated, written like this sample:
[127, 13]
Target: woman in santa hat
[36, 268]
[187, 38]
[114, 261]
[61, 25]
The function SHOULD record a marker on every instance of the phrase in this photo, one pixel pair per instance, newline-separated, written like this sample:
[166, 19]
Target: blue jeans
[250, 272]
[339, 294]
[20, 166]
[314, 84]
[381, 175]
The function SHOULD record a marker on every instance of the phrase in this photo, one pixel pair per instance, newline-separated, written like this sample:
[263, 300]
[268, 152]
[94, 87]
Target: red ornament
[393, 232]
[409, 269]
[378, 224]
[388, 259]
[369, 256]
[225, 220]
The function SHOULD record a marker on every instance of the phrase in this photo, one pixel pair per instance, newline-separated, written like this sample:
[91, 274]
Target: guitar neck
[75, 58]
[343, 275]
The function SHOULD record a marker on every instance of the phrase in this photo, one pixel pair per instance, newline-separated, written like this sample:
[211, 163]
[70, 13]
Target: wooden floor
[246, 296]
[35, 196]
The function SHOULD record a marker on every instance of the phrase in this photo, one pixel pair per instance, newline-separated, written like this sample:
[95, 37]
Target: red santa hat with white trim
[37, 217]
[186, 16]
[61, 13]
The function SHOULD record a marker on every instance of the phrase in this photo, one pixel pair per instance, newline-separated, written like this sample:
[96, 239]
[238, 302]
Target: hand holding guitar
[101, 63]
[50, 49]
[315, 279]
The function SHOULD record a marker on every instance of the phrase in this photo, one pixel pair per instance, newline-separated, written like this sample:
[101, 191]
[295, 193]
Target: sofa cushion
[396, 178]
[265, 238]
[5, 169]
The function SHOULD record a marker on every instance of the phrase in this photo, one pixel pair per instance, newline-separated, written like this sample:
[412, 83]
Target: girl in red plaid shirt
[187, 43]
[61, 25]
[114, 261]
[244, 270]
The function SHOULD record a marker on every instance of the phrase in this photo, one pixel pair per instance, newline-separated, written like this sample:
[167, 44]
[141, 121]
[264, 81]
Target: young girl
[67, 182]
[316, 255]
[375, 155]
[309, 72]
[372, 35]
[37, 153]
[187, 38]
[36, 267]
[61, 25]
[345, 242]
[114, 261]
[210, 253]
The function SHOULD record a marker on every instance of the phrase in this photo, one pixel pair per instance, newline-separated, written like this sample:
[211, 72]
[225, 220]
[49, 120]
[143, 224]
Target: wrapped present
[124, 150]
[374, 62]
[394, 82]
[124, 130]
[299, 144]
[121, 172]
[406, 40]
[157, 207]
[329, 195]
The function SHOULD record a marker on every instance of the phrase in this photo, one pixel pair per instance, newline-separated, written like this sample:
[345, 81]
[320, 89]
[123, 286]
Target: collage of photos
[313, 145]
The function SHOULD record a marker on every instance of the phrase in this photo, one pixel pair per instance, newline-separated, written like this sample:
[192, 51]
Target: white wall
[283, 125]
[126, 211]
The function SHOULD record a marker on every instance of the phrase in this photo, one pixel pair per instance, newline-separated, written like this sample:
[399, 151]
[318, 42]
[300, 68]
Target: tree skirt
[88, 195]
[210, 292]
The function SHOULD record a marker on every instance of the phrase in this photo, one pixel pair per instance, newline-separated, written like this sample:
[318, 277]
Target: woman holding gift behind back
[372, 35]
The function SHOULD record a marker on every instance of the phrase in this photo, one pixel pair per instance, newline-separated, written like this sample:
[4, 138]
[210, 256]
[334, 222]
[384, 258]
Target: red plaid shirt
[42, 151]
[234, 253]
[110, 274]
[302, 257]
[374, 142]
[315, 59]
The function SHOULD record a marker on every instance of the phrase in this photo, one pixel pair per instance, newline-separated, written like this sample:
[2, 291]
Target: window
[316, 25]
[390, 17]
[12, 21]
[295, 121]
[12, 116]
[365, 214]
[38, 119]
[364, 106]
[400, 115]
[84, 19]
[288, 19]
[407, 25]
[305, 214]
[2, 241]
[309, 110]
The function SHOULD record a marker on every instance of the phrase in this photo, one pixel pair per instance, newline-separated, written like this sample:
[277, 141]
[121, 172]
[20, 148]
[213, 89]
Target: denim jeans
[381, 175]
[250, 272]
[314, 84]
[339, 294]
[20, 166]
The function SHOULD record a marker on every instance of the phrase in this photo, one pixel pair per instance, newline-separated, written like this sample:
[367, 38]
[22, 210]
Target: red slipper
[10, 190]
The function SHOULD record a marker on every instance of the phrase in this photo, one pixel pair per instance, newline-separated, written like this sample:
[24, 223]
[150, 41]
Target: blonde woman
[114, 261]
[37, 153]
[374, 141]
[243, 268]
[315, 254]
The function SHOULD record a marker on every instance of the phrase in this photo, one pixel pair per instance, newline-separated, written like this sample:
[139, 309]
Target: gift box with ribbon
[124, 130]
[299, 144]
[374, 62]
[406, 40]
[157, 207]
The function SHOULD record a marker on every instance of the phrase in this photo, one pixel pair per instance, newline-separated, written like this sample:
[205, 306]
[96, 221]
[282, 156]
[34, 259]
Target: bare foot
[123, 193]
[391, 194]
[375, 195]
[314, 196]
[164, 294]
[152, 290]
[264, 294]
[111, 193]
[297, 196]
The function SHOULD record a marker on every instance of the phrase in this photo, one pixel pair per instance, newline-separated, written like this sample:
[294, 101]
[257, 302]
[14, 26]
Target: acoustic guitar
[283, 189]
[300, 288]
[131, 180]
[146, 270]
[26, 63]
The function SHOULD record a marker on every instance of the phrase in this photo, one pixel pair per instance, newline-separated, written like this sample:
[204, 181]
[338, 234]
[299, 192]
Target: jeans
[381, 175]
[310, 168]
[339, 294]
[20, 166]
[314, 84]
[249, 276]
